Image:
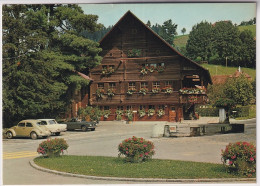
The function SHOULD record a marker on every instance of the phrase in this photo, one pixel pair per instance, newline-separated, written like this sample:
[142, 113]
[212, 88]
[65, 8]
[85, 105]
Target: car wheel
[93, 129]
[9, 135]
[57, 133]
[84, 128]
[34, 136]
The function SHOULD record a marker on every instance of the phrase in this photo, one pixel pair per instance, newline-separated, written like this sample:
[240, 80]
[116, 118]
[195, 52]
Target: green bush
[240, 157]
[212, 112]
[52, 147]
[136, 149]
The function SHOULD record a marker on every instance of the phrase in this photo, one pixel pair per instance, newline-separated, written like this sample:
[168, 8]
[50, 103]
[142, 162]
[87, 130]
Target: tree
[199, 43]
[42, 49]
[183, 31]
[148, 23]
[226, 42]
[240, 90]
[168, 31]
[247, 49]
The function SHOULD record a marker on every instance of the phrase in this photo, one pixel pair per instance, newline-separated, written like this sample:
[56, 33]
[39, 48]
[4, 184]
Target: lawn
[117, 167]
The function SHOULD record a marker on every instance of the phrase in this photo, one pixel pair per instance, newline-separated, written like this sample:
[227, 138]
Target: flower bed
[240, 157]
[136, 149]
[52, 147]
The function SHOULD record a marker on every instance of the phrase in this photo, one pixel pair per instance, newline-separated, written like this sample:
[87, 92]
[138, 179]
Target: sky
[185, 15]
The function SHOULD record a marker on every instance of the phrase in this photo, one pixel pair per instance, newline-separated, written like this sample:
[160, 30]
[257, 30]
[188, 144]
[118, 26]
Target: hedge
[241, 111]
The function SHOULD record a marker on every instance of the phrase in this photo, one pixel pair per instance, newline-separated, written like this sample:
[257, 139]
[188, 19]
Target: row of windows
[130, 107]
[143, 65]
[132, 85]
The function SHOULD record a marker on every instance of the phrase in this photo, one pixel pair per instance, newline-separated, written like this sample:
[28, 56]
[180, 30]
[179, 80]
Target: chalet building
[143, 77]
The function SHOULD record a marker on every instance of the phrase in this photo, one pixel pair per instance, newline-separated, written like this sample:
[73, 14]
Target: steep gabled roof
[129, 13]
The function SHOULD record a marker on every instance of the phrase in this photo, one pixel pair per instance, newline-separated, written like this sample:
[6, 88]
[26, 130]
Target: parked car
[74, 124]
[54, 127]
[28, 128]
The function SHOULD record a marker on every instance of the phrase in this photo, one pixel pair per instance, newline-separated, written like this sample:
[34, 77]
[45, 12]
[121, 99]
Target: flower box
[192, 91]
[130, 91]
[160, 112]
[141, 113]
[151, 112]
[155, 90]
[143, 91]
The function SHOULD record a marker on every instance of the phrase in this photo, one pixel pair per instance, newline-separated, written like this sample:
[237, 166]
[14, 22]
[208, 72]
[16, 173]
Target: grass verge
[117, 167]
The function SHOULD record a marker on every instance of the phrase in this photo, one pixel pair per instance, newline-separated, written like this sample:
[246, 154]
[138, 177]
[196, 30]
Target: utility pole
[226, 61]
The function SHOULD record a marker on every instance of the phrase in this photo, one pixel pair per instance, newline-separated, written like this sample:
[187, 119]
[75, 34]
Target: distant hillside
[248, 27]
[181, 41]
[222, 70]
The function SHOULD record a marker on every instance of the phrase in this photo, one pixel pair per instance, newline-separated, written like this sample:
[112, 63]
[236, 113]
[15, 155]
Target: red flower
[230, 162]
[145, 145]
[252, 159]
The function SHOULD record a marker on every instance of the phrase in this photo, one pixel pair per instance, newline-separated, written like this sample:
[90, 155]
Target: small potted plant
[119, 114]
[106, 113]
[143, 91]
[100, 93]
[168, 90]
[144, 71]
[160, 69]
[110, 93]
[151, 112]
[141, 113]
[129, 114]
[160, 112]
[155, 90]
[130, 92]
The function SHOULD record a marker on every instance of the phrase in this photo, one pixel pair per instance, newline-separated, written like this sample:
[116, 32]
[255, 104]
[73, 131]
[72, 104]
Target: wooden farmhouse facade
[142, 74]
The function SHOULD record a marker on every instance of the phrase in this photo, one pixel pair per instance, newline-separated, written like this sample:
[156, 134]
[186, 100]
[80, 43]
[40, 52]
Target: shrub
[136, 149]
[52, 147]
[240, 157]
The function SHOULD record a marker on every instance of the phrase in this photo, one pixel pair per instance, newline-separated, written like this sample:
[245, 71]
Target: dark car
[74, 124]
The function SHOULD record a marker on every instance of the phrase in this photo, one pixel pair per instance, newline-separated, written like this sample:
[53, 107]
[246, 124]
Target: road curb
[216, 180]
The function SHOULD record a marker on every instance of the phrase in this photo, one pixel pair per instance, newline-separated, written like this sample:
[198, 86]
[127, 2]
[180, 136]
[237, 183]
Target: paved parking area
[104, 142]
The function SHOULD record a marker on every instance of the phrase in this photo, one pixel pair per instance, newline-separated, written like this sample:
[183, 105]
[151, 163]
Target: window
[29, 125]
[106, 108]
[120, 108]
[142, 107]
[151, 107]
[161, 107]
[21, 125]
[43, 123]
[156, 84]
[129, 107]
[144, 85]
[168, 84]
[161, 64]
[101, 86]
[112, 86]
[131, 86]
[153, 65]
[100, 108]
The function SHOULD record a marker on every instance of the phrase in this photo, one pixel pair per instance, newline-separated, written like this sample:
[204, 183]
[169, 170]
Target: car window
[43, 123]
[21, 125]
[29, 125]
[52, 122]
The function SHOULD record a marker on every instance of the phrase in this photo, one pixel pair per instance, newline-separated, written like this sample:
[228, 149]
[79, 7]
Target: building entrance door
[172, 114]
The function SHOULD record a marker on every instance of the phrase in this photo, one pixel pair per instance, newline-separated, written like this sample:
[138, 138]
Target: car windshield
[52, 122]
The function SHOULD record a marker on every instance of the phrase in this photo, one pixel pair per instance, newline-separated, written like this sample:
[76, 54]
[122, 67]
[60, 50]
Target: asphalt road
[103, 142]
